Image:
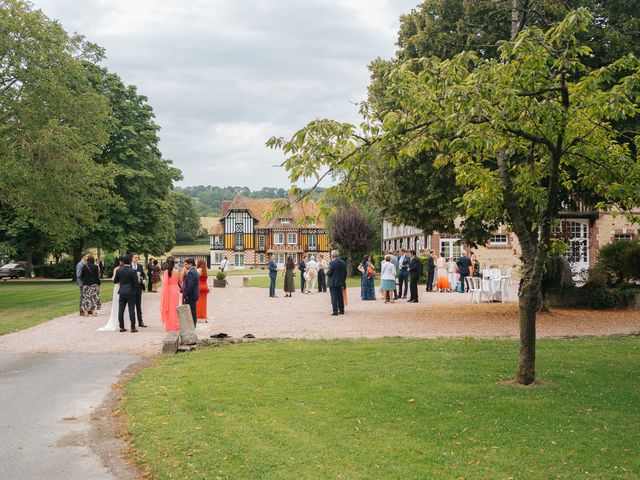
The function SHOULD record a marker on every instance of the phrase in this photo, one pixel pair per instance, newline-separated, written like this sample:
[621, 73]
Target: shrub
[600, 298]
[620, 261]
[64, 269]
[221, 276]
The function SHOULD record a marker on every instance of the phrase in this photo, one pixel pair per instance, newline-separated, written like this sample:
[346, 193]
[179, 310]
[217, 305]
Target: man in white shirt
[224, 265]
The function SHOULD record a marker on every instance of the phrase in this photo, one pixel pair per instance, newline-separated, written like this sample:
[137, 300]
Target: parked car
[12, 270]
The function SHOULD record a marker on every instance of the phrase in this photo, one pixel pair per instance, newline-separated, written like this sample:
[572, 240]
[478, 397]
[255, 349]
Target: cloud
[222, 76]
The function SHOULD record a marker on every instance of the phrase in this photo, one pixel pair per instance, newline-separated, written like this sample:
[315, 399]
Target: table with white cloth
[490, 283]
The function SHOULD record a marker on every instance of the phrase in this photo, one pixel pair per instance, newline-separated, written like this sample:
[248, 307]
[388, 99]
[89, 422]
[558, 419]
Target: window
[313, 241]
[261, 242]
[239, 240]
[499, 240]
[239, 260]
[278, 238]
[622, 236]
[280, 258]
[217, 257]
[292, 238]
[285, 220]
[261, 258]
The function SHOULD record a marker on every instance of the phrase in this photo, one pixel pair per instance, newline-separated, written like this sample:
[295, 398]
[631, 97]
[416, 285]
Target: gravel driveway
[237, 311]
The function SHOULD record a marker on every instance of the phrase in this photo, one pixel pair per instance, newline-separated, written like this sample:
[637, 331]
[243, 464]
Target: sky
[223, 76]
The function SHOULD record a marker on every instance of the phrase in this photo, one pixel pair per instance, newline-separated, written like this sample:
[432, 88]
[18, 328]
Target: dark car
[12, 270]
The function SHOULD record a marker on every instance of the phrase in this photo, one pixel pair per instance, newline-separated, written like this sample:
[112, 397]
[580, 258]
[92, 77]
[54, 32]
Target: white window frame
[261, 241]
[217, 257]
[294, 236]
[278, 238]
[238, 260]
[280, 259]
[285, 220]
[313, 240]
[622, 236]
[496, 240]
[261, 258]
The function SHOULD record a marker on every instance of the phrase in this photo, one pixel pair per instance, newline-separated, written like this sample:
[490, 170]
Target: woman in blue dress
[367, 287]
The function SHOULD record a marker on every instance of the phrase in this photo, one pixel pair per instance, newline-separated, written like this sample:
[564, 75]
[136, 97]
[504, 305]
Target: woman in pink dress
[170, 297]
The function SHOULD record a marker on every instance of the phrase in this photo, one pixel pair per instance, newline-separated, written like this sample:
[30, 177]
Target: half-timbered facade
[244, 236]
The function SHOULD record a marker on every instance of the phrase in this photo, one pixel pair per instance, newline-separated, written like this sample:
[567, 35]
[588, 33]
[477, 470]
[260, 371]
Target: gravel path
[237, 311]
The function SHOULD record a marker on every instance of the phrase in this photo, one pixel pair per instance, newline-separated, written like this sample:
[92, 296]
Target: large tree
[523, 133]
[445, 28]
[138, 214]
[52, 123]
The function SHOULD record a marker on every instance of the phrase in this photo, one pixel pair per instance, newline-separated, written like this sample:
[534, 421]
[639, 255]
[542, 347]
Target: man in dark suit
[302, 266]
[403, 273]
[464, 267]
[273, 274]
[415, 269]
[431, 270]
[337, 274]
[191, 288]
[142, 278]
[128, 280]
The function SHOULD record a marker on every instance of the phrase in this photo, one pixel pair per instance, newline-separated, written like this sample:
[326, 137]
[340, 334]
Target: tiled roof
[217, 229]
[258, 206]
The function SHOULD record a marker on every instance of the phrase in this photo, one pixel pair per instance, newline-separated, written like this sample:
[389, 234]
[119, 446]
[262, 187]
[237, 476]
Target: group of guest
[189, 285]
[400, 273]
[311, 271]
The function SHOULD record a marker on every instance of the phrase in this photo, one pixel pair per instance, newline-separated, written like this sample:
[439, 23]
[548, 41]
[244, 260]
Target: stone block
[187, 331]
[170, 343]
[245, 281]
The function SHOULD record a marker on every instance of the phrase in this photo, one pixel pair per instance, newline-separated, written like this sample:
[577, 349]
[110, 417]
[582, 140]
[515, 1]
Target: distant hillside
[208, 199]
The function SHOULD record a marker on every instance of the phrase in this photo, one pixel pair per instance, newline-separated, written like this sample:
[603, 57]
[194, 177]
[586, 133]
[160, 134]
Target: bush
[620, 260]
[221, 275]
[64, 269]
[600, 298]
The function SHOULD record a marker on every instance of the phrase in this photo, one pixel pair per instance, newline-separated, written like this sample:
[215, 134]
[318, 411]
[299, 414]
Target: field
[25, 303]
[391, 408]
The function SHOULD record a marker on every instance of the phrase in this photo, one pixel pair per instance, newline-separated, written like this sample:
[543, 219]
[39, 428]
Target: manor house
[244, 235]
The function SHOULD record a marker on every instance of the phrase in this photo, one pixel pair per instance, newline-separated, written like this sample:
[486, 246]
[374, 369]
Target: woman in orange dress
[201, 304]
[170, 297]
[443, 277]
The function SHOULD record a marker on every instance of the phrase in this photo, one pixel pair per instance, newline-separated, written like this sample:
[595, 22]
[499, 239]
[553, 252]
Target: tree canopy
[521, 133]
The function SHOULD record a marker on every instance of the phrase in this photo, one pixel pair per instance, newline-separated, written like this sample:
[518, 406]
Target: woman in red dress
[201, 304]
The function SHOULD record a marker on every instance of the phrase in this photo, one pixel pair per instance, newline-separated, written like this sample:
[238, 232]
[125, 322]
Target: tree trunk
[349, 265]
[528, 302]
[29, 265]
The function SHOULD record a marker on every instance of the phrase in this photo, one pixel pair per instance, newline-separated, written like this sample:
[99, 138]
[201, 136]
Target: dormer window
[285, 220]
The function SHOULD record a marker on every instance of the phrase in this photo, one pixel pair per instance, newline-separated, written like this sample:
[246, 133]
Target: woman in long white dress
[113, 325]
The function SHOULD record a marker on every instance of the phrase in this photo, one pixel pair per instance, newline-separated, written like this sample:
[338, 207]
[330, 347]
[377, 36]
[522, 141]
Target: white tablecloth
[493, 273]
[490, 287]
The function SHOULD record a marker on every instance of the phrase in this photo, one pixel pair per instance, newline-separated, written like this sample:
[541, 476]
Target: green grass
[27, 303]
[263, 282]
[389, 409]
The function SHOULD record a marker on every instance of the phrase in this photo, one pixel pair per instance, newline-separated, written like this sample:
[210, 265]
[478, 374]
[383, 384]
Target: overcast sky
[223, 76]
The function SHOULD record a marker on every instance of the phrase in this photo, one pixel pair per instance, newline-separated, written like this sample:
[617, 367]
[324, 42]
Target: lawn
[27, 303]
[263, 282]
[389, 409]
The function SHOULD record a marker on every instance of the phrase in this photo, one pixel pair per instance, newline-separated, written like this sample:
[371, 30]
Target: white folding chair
[503, 290]
[475, 289]
[508, 275]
